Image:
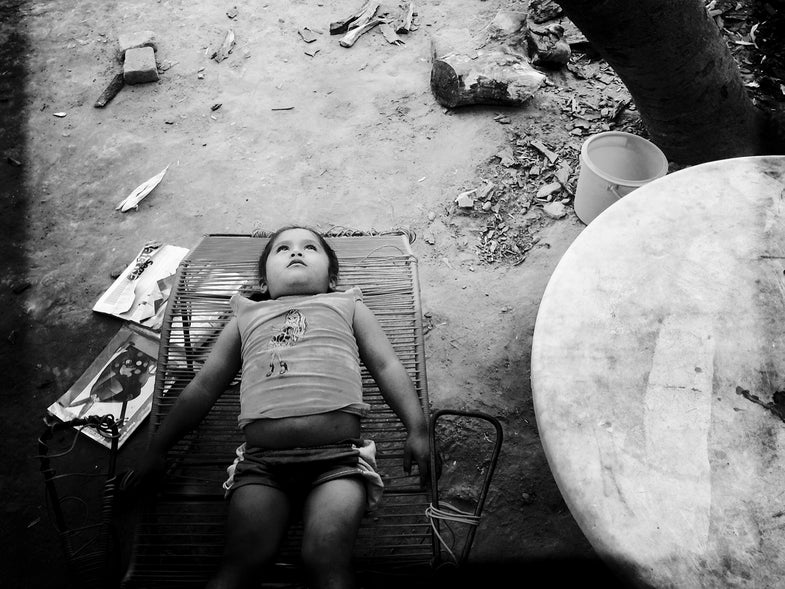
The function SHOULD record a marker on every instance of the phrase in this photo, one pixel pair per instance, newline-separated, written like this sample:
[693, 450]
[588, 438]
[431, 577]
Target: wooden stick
[341, 26]
[390, 35]
[349, 38]
[111, 91]
[403, 23]
[366, 16]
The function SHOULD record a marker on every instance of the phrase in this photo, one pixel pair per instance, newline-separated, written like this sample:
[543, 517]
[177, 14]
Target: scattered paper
[133, 199]
[119, 382]
[149, 275]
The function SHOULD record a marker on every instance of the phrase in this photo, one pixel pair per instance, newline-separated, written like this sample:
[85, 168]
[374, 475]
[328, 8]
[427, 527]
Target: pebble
[556, 210]
[547, 189]
[465, 200]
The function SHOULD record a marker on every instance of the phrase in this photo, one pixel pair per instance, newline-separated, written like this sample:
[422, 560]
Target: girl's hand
[417, 447]
[140, 485]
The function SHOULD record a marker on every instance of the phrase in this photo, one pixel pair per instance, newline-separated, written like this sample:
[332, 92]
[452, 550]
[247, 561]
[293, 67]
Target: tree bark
[680, 73]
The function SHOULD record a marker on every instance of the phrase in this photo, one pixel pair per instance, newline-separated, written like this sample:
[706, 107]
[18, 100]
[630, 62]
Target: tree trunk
[680, 73]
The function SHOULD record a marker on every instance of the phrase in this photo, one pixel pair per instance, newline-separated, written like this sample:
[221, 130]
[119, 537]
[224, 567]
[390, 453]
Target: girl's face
[297, 265]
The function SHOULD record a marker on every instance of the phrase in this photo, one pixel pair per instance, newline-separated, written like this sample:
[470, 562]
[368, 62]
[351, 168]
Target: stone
[134, 40]
[555, 210]
[465, 200]
[547, 47]
[139, 66]
[547, 190]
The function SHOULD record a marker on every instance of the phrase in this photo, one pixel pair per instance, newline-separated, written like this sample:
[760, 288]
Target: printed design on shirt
[294, 327]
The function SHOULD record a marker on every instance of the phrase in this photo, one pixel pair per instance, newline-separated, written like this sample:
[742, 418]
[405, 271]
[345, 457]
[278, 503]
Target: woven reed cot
[179, 539]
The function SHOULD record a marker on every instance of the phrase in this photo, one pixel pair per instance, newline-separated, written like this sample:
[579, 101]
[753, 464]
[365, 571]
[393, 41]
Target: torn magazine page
[140, 293]
[119, 382]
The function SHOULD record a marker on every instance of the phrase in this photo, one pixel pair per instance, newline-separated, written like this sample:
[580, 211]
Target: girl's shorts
[298, 470]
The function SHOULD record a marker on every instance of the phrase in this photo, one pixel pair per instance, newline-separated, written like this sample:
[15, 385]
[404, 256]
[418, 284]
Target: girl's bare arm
[396, 387]
[201, 393]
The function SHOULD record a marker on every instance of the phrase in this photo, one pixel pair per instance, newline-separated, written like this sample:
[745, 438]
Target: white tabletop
[658, 347]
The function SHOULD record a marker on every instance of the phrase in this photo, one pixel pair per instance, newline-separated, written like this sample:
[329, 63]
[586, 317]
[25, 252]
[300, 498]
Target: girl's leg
[257, 520]
[331, 518]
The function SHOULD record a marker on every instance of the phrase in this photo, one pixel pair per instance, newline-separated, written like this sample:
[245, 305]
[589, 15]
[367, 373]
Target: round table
[658, 362]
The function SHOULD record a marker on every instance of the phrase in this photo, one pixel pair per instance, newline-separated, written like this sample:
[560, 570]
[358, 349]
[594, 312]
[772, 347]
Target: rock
[465, 200]
[307, 35]
[139, 66]
[543, 149]
[555, 210]
[563, 174]
[507, 157]
[548, 189]
[544, 10]
[547, 47]
[494, 74]
[135, 40]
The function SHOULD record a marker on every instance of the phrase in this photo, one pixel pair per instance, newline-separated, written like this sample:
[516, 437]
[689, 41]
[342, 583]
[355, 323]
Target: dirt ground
[343, 138]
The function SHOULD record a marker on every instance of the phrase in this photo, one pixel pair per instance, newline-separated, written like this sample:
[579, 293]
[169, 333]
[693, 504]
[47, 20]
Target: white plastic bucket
[613, 164]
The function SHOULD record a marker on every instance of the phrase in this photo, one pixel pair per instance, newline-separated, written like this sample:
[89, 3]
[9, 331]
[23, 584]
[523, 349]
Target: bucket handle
[614, 190]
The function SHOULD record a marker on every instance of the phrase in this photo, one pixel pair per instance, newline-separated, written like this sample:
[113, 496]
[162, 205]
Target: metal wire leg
[445, 511]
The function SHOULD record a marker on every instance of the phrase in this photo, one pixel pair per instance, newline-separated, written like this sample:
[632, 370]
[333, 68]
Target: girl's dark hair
[332, 269]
